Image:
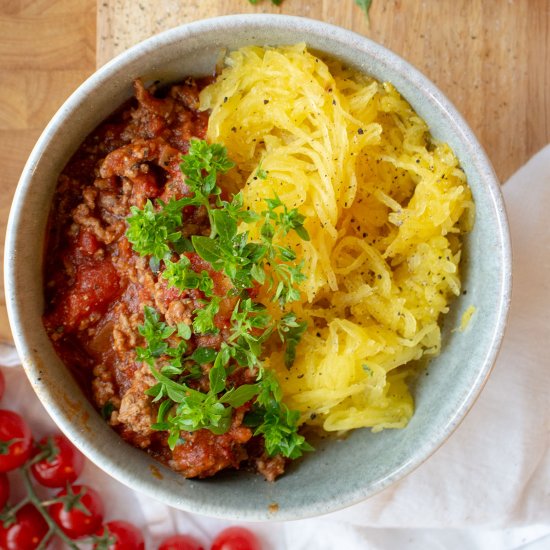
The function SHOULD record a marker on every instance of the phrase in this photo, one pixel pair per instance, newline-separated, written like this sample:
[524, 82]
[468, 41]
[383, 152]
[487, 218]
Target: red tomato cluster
[74, 513]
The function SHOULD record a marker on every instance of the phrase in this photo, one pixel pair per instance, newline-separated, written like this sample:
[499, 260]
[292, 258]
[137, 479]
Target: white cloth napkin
[488, 487]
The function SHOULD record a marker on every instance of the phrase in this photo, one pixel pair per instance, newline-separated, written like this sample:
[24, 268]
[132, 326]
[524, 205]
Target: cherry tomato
[236, 538]
[2, 384]
[70, 515]
[63, 465]
[181, 542]
[15, 441]
[26, 533]
[4, 490]
[126, 535]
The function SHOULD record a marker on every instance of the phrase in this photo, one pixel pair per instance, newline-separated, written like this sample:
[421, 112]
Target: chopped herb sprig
[152, 230]
[365, 5]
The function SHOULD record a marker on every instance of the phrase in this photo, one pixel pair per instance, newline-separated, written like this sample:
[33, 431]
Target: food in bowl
[232, 261]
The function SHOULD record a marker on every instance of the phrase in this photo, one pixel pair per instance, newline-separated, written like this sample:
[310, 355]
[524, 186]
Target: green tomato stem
[54, 529]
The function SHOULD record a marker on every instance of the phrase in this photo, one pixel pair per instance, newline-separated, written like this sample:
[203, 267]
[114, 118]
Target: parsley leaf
[248, 316]
[204, 355]
[290, 331]
[180, 275]
[155, 333]
[272, 419]
[204, 317]
[277, 224]
[243, 261]
[235, 209]
[289, 276]
[166, 387]
[287, 220]
[281, 436]
[205, 157]
[250, 328]
[237, 397]
[185, 409]
[195, 411]
[181, 407]
[217, 374]
[260, 172]
[151, 230]
[201, 167]
[365, 5]
[226, 225]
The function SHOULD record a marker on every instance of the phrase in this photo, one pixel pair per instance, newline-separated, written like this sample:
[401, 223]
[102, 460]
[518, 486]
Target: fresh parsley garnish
[283, 222]
[157, 231]
[186, 409]
[151, 230]
[251, 327]
[204, 322]
[244, 261]
[272, 419]
[201, 167]
[204, 355]
[180, 275]
[155, 333]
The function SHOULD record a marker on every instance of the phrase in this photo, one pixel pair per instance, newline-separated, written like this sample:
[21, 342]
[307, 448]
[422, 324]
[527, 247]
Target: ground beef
[96, 286]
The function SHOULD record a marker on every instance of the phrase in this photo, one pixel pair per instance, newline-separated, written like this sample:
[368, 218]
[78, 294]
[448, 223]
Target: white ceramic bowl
[339, 473]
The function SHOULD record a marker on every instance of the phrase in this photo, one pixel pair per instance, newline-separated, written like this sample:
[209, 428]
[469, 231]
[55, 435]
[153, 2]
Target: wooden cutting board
[490, 57]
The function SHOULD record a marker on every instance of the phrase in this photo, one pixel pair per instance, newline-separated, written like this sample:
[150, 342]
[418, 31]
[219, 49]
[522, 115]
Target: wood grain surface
[490, 57]
[47, 48]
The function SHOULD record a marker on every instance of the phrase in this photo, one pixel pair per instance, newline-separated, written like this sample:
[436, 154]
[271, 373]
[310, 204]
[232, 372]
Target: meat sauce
[96, 286]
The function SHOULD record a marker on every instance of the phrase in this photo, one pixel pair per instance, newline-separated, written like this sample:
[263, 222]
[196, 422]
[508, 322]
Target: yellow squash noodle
[385, 206]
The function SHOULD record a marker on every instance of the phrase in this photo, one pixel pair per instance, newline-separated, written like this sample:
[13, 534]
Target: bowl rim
[347, 39]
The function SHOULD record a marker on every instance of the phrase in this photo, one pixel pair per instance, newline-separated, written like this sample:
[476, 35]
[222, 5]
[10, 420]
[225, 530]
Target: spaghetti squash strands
[385, 208]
